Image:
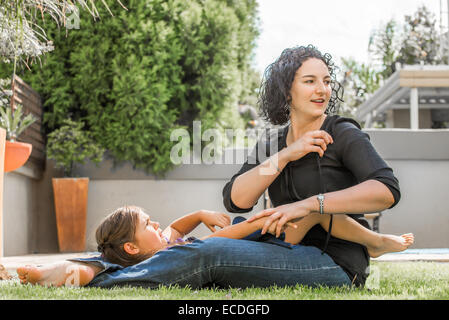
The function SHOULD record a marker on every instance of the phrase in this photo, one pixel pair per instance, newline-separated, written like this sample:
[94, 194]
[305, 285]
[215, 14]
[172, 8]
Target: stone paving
[436, 255]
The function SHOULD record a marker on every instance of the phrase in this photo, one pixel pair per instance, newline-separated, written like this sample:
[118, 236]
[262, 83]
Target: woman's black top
[350, 160]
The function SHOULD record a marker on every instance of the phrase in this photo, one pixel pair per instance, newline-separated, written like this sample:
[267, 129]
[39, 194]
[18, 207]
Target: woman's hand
[214, 219]
[278, 218]
[312, 141]
[272, 228]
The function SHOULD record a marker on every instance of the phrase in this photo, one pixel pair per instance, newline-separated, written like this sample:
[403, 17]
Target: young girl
[128, 236]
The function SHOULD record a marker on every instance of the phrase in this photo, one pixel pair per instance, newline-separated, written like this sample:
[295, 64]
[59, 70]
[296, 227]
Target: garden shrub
[134, 77]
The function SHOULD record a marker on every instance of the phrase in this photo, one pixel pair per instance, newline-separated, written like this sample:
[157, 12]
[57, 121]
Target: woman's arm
[378, 188]
[368, 196]
[249, 186]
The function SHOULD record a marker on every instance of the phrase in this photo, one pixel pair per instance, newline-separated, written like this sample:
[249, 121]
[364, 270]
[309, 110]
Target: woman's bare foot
[57, 274]
[391, 243]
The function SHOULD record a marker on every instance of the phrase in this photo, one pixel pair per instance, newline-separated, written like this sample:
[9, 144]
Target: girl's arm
[243, 229]
[239, 230]
[186, 224]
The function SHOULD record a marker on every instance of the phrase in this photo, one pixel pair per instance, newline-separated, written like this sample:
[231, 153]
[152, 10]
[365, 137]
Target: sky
[339, 27]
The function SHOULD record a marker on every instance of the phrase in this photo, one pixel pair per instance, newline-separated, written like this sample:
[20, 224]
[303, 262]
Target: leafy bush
[134, 77]
[70, 144]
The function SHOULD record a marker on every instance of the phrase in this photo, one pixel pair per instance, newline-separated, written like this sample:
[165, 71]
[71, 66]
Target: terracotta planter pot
[71, 211]
[16, 154]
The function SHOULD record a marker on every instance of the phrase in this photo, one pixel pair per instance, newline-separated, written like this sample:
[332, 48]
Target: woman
[321, 163]
[300, 88]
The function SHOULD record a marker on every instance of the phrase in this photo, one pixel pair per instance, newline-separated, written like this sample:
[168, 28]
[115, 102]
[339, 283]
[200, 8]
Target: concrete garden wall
[29, 223]
[420, 160]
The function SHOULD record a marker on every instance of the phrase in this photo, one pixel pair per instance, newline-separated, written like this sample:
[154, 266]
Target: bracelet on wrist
[320, 199]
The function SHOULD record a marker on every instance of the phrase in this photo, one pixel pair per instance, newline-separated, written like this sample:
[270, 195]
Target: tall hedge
[157, 66]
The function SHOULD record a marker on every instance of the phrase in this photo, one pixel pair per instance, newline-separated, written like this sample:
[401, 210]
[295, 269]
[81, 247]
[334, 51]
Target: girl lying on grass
[128, 236]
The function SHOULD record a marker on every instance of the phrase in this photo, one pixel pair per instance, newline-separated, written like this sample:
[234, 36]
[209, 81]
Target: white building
[415, 97]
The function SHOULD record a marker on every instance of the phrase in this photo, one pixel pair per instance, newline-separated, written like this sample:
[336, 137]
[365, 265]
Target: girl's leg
[229, 263]
[295, 235]
[346, 228]
[58, 274]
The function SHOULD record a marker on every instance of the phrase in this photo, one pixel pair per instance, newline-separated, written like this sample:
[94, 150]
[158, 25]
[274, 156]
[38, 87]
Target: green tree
[384, 48]
[359, 81]
[421, 40]
[415, 41]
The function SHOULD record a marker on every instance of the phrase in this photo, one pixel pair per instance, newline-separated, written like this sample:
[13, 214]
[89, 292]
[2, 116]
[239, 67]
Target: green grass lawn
[389, 280]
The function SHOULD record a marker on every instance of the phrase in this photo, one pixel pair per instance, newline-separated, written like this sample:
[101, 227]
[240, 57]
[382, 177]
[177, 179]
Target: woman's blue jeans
[225, 263]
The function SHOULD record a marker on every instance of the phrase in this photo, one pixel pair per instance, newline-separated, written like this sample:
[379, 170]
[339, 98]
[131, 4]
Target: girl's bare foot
[57, 274]
[391, 243]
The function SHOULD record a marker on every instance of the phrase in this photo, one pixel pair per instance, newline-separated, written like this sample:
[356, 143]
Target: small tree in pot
[69, 145]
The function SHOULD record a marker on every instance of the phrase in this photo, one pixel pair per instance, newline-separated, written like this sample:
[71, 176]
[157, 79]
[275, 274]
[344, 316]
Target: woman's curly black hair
[274, 95]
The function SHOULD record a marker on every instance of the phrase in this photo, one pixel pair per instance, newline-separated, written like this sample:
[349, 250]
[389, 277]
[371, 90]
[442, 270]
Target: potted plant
[68, 145]
[16, 153]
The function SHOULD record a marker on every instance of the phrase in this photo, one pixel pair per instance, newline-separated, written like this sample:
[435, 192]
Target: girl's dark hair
[114, 231]
[274, 95]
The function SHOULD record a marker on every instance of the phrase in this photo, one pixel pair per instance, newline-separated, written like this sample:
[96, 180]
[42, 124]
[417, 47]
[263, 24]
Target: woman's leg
[346, 228]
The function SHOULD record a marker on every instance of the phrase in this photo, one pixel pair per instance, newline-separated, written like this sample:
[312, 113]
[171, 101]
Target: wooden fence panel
[23, 94]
